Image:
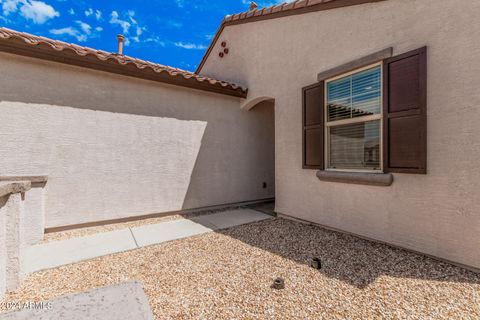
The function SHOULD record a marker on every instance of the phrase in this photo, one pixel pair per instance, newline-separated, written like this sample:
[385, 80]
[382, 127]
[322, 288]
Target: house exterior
[360, 116]
[118, 146]
[432, 206]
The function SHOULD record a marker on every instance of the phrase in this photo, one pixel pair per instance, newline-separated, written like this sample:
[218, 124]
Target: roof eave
[274, 12]
[90, 61]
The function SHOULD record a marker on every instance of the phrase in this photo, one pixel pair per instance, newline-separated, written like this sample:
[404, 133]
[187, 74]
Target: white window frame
[329, 124]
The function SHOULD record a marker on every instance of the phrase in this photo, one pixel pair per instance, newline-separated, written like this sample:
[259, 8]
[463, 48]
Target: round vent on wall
[225, 50]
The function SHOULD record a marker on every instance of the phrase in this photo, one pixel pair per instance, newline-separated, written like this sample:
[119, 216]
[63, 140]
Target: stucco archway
[251, 103]
[262, 109]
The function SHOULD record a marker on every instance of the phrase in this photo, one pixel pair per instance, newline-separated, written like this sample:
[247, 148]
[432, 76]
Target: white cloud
[156, 40]
[132, 30]
[190, 46]
[37, 11]
[70, 31]
[91, 12]
[138, 33]
[9, 6]
[85, 27]
[82, 31]
[115, 19]
[71, 11]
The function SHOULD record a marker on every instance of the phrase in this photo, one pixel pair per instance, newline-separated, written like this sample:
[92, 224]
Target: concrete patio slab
[167, 231]
[122, 301]
[233, 218]
[172, 230]
[57, 253]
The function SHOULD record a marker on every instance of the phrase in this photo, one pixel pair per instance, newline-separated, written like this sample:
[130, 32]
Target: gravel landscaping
[228, 275]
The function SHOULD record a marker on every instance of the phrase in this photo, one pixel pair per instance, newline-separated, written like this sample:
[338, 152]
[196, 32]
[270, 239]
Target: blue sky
[170, 32]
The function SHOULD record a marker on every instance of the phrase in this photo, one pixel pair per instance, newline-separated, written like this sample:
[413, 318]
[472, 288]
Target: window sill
[371, 179]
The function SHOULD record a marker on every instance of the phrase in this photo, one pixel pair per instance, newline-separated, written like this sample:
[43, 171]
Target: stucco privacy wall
[116, 147]
[12, 199]
[3, 247]
[13, 208]
[437, 213]
[33, 217]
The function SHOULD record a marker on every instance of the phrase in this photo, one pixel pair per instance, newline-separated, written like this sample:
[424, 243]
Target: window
[353, 116]
[369, 115]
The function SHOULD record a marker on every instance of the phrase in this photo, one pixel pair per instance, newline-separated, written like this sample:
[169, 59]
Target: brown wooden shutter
[405, 113]
[313, 126]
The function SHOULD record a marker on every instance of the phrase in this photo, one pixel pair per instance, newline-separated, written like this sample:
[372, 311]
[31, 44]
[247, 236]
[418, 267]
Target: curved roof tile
[48, 49]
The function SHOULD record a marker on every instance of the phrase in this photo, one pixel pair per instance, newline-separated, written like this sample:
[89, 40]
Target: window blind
[353, 136]
[355, 146]
[355, 95]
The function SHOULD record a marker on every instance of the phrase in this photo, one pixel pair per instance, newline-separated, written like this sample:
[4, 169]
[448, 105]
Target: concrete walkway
[126, 300]
[58, 253]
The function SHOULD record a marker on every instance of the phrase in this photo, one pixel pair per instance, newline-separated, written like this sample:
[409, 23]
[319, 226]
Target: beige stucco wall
[11, 211]
[116, 147]
[13, 208]
[11, 237]
[3, 247]
[32, 221]
[437, 213]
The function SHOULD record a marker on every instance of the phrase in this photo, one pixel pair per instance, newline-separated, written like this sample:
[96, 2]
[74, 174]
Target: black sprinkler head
[316, 263]
[278, 284]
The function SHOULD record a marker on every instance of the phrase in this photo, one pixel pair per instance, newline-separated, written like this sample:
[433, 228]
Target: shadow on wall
[235, 183]
[111, 165]
[101, 164]
[117, 147]
[344, 257]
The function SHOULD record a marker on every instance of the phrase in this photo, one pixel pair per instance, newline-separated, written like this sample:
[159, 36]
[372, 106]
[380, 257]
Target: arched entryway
[252, 103]
[263, 109]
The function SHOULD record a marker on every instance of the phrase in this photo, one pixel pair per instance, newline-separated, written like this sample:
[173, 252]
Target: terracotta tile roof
[44, 48]
[295, 7]
[278, 11]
